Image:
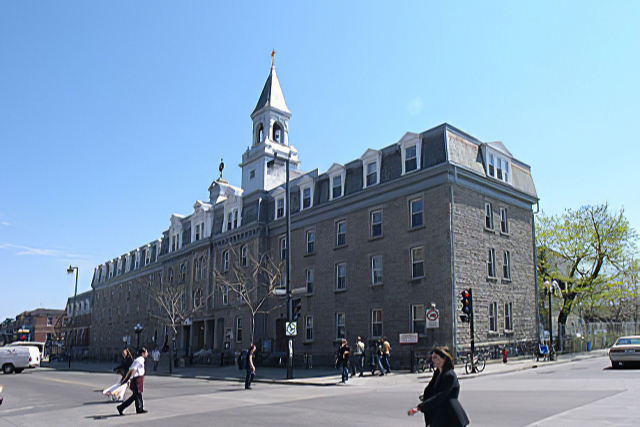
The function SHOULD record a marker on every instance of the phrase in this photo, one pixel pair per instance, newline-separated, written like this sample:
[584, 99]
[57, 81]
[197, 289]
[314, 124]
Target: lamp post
[138, 329]
[75, 293]
[550, 286]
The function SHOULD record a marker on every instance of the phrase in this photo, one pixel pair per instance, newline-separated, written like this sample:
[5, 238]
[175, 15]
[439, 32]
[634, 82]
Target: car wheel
[615, 365]
[7, 369]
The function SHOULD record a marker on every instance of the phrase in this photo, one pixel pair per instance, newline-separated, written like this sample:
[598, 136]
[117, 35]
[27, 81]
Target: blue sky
[115, 114]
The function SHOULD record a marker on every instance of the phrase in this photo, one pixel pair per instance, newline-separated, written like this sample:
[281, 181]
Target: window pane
[416, 213]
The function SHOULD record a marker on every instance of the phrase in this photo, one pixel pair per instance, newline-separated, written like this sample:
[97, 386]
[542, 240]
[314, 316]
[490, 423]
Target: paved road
[580, 393]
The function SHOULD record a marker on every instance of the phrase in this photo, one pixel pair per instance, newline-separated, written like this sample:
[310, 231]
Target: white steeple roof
[271, 95]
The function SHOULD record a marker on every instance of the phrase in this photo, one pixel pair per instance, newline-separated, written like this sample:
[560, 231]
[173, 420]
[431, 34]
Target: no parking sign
[433, 318]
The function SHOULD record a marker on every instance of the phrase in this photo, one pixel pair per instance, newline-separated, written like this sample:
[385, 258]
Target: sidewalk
[317, 376]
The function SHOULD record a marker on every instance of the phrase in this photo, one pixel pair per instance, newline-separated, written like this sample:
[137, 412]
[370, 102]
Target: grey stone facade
[448, 174]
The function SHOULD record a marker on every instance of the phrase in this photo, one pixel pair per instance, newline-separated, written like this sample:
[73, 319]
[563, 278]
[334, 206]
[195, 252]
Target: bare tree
[252, 281]
[174, 305]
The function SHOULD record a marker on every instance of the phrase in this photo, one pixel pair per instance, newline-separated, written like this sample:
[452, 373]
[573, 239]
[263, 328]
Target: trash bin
[588, 345]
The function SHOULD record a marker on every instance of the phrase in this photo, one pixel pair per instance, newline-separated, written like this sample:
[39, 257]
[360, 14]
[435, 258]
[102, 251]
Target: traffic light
[466, 305]
[297, 307]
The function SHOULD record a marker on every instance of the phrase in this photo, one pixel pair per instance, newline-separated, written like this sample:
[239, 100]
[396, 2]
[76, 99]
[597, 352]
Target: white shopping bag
[116, 391]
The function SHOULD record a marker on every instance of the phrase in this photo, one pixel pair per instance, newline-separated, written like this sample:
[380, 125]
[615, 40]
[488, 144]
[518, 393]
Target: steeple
[270, 137]
[271, 96]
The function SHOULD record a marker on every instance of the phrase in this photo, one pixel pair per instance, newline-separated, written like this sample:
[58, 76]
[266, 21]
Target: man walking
[386, 352]
[343, 357]
[136, 377]
[155, 355]
[251, 368]
[358, 363]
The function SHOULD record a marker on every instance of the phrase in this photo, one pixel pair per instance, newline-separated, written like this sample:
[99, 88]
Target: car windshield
[628, 341]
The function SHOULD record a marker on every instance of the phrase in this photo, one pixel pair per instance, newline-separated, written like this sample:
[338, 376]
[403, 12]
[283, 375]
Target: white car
[626, 350]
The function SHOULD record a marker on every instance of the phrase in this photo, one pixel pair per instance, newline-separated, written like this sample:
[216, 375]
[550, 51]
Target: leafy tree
[250, 281]
[588, 252]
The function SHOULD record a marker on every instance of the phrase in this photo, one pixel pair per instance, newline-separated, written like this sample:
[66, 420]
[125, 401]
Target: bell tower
[270, 136]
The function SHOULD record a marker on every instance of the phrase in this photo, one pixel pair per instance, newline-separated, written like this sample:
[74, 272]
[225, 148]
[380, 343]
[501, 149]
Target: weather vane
[273, 56]
[221, 167]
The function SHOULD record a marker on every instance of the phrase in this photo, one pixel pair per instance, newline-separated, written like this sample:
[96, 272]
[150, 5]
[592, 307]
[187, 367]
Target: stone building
[374, 244]
[74, 328]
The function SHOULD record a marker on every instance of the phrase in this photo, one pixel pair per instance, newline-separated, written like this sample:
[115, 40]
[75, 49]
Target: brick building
[374, 243]
[33, 325]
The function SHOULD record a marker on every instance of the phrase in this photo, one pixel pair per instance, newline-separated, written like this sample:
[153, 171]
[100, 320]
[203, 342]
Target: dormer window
[280, 207]
[336, 187]
[235, 218]
[410, 150]
[498, 166]
[197, 236]
[277, 133]
[410, 160]
[229, 220]
[372, 174]
[306, 198]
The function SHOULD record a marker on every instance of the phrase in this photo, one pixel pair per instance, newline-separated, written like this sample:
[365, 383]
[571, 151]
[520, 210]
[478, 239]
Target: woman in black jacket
[440, 403]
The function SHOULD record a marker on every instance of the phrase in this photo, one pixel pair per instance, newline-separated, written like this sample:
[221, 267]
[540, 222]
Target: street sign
[433, 318]
[292, 329]
[408, 338]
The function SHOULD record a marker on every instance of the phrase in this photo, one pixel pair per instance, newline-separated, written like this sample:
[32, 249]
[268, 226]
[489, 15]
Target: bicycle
[475, 363]
[424, 364]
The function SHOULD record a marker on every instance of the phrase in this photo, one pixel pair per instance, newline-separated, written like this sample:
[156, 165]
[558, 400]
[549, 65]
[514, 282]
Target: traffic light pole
[473, 343]
[288, 281]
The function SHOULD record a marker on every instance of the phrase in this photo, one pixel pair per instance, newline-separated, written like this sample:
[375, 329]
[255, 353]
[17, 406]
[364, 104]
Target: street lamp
[550, 287]
[75, 293]
[138, 329]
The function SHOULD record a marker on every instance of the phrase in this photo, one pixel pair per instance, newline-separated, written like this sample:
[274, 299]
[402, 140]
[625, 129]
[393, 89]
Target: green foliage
[591, 252]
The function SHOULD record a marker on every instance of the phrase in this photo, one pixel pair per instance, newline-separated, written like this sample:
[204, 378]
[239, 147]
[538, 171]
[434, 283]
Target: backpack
[242, 359]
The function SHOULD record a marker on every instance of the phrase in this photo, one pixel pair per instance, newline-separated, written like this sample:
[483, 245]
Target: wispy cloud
[28, 250]
[414, 107]
[5, 223]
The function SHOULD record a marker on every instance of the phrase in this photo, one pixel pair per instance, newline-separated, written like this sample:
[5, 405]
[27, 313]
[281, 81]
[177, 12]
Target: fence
[579, 337]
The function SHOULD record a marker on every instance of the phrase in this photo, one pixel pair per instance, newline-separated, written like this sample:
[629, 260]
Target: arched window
[259, 134]
[277, 133]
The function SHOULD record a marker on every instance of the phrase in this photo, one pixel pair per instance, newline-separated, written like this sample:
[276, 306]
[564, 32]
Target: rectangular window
[488, 216]
[225, 295]
[308, 328]
[49, 320]
[341, 233]
[341, 329]
[372, 174]
[376, 323]
[311, 241]
[225, 261]
[508, 317]
[336, 187]
[229, 221]
[506, 265]
[493, 317]
[306, 198]
[197, 232]
[235, 218]
[309, 280]
[499, 168]
[283, 248]
[418, 319]
[410, 160]
[341, 276]
[376, 269]
[491, 263]
[417, 263]
[505, 170]
[504, 225]
[243, 256]
[376, 223]
[416, 213]
[492, 171]
[238, 329]
[280, 207]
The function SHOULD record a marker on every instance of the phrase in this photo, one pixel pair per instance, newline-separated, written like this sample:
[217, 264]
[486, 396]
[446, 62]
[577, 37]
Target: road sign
[408, 338]
[292, 329]
[433, 318]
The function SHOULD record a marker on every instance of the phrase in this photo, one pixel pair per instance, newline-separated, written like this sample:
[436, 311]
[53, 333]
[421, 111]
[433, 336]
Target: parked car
[626, 350]
[14, 359]
[44, 355]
